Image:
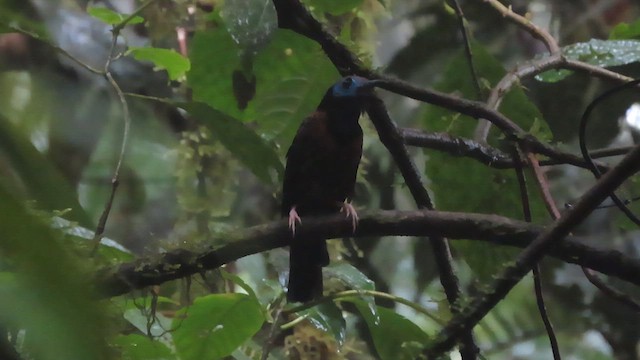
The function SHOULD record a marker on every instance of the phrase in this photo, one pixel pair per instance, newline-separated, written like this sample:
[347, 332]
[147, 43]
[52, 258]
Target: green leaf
[168, 59]
[334, 7]
[626, 31]
[109, 249]
[603, 53]
[214, 57]
[394, 336]
[256, 154]
[139, 347]
[215, 325]
[293, 74]
[42, 180]
[155, 325]
[554, 75]
[328, 318]
[354, 279]
[350, 275]
[250, 23]
[48, 295]
[111, 17]
[238, 281]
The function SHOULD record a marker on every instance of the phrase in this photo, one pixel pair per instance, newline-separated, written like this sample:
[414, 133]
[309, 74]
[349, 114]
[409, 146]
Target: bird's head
[352, 86]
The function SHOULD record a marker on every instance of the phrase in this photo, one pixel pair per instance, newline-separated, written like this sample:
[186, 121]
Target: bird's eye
[347, 83]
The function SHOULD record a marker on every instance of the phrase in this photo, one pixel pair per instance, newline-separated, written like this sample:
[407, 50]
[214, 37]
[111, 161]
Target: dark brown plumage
[320, 176]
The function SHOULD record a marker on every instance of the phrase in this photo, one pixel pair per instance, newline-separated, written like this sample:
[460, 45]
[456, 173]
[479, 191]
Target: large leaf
[48, 295]
[214, 57]
[604, 53]
[41, 179]
[250, 23]
[354, 279]
[292, 74]
[255, 153]
[109, 249]
[215, 325]
[394, 336]
[328, 318]
[139, 347]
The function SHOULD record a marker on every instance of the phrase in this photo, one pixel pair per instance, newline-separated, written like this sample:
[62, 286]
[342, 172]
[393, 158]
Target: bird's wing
[306, 151]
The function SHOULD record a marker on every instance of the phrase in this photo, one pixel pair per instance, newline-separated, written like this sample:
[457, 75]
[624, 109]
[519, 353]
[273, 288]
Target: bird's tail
[307, 256]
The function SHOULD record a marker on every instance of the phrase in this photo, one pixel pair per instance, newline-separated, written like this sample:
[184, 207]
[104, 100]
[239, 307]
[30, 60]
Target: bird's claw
[293, 218]
[350, 211]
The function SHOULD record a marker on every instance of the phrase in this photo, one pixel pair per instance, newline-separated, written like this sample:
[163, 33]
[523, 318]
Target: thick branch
[499, 230]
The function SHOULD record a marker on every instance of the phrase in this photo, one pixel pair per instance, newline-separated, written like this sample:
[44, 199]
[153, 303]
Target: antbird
[320, 177]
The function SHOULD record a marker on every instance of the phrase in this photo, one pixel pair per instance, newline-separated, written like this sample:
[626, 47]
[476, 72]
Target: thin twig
[609, 291]
[585, 151]
[593, 278]
[273, 332]
[537, 32]
[467, 48]
[542, 309]
[115, 181]
[499, 91]
[118, 27]
[543, 185]
[537, 279]
[55, 47]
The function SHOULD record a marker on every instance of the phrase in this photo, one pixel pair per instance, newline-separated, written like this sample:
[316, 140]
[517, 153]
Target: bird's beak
[367, 87]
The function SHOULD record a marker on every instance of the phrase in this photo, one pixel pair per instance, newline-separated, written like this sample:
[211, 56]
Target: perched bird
[320, 177]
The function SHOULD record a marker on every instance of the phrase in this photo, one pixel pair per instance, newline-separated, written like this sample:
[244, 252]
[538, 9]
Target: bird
[320, 176]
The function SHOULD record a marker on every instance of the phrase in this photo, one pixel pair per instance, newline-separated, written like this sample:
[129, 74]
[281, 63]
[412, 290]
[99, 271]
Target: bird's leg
[350, 211]
[293, 218]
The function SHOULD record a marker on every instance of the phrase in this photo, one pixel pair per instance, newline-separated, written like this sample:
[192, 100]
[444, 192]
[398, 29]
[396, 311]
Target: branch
[115, 180]
[490, 156]
[467, 47]
[495, 229]
[549, 42]
[544, 243]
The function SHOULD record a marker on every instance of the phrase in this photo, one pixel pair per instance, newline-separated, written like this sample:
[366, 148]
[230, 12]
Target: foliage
[604, 53]
[209, 132]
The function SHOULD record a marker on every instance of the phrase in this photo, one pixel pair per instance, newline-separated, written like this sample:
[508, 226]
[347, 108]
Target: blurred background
[181, 184]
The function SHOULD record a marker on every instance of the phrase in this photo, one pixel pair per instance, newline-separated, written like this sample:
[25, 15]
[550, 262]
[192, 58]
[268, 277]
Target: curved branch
[539, 33]
[495, 229]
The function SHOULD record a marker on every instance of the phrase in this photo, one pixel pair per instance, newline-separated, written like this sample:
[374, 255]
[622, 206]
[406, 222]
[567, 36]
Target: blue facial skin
[350, 86]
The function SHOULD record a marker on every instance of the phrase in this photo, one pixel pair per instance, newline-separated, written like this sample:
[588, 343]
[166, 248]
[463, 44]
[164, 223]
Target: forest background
[159, 128]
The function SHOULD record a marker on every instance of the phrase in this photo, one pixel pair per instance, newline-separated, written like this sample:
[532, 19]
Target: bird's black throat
[343, 114]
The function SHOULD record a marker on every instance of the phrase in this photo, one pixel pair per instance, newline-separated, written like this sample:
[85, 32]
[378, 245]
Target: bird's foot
[350, 211]
[293, 219]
